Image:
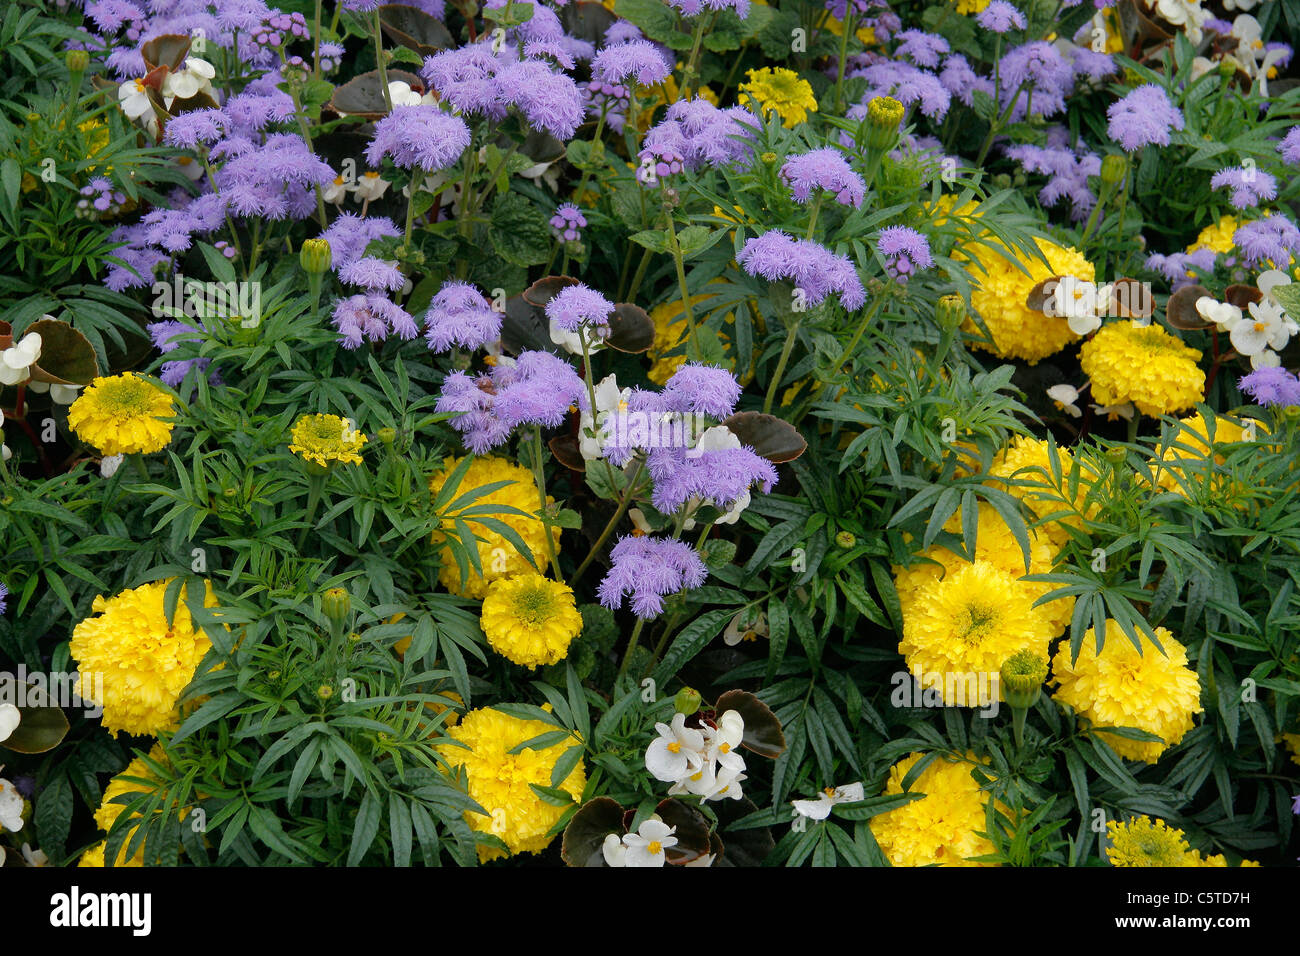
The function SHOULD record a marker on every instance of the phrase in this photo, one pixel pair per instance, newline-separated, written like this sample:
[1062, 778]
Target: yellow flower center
[654, 847]
[535, 606]
[674, 748]
[724, 748]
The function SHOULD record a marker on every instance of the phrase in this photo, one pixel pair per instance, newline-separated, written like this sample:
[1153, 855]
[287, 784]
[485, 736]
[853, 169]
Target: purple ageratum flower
[349, 234]
[1249, 186]
[373, 275]
[907, 84]
[466, 78]
[1177, 266]
[1093, 65]
[579, 306]
[649, 568]
[701, 390]
[190, 129]
[1290, 146]
[538, 389]
[923, 49]
[422, 136]
[823, 169]
[812, 267]
[1271, 386]
[639, 59]
[664, 158]
[722, 475]
[549, 101]
[371, 317]
[1000, 17]
[905, 251]
[840, 8]
[960, 80]
[1068, 174]
[1144, 117]
[621, 31]
[1047, 75]
[568, 222]
[703, 135]
[1272, 239]
[459, 315]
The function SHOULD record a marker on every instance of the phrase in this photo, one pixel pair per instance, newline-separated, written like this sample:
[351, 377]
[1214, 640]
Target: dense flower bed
[701, 433]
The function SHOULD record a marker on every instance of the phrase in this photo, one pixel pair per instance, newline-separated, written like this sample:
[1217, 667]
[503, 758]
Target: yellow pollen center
[725, 748]
[654, 847]
[674, 748]
[1260, 326]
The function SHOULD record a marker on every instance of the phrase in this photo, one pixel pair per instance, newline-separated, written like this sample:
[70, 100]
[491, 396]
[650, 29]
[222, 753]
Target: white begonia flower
[571, 342]
[1265, 359]
[402, 95]
[726, 785]
[5, 453]
[745, 626]
[59, 394]
[639, 522]
[16, 360]
[705, 860]
[1065, 396]
[370, 186]
[1113, 412]
[614, 850]
[610, 401]
[1186, 14]
[1269, 281]
[698, 783]
[10, 718]
[109, 464]
[192, 169]
[194, 77]
[820, 808]
[1248, 34]
[35, 857]
[724, 740]
[1223, 314]
[677, 752]
[1267, 328]
[11, 807]
[646, 847]
[1239, 4]
[1080, 302]
[335, 192]
[133, 97]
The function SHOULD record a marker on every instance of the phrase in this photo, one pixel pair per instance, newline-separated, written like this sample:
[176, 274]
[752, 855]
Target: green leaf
[520, 231]
[690, 641]
[656, 240]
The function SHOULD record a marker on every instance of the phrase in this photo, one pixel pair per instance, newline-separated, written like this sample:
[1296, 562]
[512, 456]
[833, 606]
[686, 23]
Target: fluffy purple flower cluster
[704, 135]
[1273, 239]
[422, 136]
[1176, 266]
[1001, 17]
[371, 317]
[349, 234]
[281, 29]
[459, 315]
[1271, 386]
[649, 569]
[568, 222]
[812, 267]
[1290, 146]
[167, 336]
[1144, 117]
[691, 8]
[826, 169]
[580, 307]
[905, 251]
[100, 198]
[372, 274]
[640, 60]
[1067, 171]
[538, 388]
[1248, 186]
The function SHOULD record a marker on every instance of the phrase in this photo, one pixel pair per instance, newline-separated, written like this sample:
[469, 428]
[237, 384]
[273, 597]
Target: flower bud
[1022, 677]
[1291, 413]
[951, 312]
[845, 539]
[1113, 168]
[1117, 455]
[324, 691]
[337, 604]
[884, 114]
[387, 435]
[315, 256]
[77, 61]
[687, 701]
[1227, 68]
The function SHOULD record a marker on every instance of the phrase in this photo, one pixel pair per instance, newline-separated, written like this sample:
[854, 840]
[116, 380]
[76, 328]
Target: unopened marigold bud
[324, 691]
[336, 603]
[1022, 677]
[77, 61]
[884, 114]
[315, 256]
[1113, 168]
[387, 435]
[687, 701]
[1117, 456]
[951, 312]
[846, 539]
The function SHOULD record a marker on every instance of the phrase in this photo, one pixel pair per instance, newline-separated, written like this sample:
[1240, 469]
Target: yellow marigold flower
[967, 623]
[943, 826]
[1146, 842]
[972, 6]
[497, 556]
[1293, 744]
[1028, 461]
[499, 780]
[1122, 688]
[996, 545]
[1142, 364]
[123, 414]
[1217, 236]
[946, 208]
[669, 319]
[1177, 467]
[1017, 330]
[109, 811]
[327, 440]
[145, 661]
[781, 91]
[529, 619]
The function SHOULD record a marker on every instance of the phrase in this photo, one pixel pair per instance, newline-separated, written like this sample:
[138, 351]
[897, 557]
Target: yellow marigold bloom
[1028, 461]
[1122, 688]
[123, 414]
[946, 208]
[1293, 744]
[145, 661]
[529, 619]
[1177, 467]
[1146, 842]
[972, 6]
[497, 556]
[499, 780]
[996, 545]
[1017, 330]
[669, 320]
[781, 91]
[1217, 236]
[327, 440]
[943, 826]
[1142, 364]
[109, 811]
[967, 623]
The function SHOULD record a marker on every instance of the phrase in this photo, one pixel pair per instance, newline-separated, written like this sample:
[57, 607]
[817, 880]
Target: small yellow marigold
[972, 6]
[1017, 330]
[1177, 467]
[1217, 236]
[1146, 842]
[943, 826]
[497, 555]
[499, 780]
[1142, 364]
[1026, 469]
[109, 810]
[782, 91]
[968, 623]
[327, 440]
[145, 661]
[1293, 744]
[122, 415]
[529, 619]
[1122, 688]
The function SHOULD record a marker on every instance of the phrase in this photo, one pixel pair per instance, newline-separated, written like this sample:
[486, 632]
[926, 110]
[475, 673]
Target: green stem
[539, 474]
[137, 462]
[791, 333]
[624, 503]
[631, 646]
[379, 61]
[689, 74]
[678, 261]
[844, 52]
[871, 314]
[315, 42]
[639, 275]
[315, 486]
[1018, 715]
[812, 216]
[591, 158]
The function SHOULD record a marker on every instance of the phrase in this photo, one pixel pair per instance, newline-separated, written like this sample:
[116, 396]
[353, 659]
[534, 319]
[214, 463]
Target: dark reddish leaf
[1242, 296]
[747, 847]
[692, 830]
[774, 438]
[587, 21]
[630, 329]
[1041, 294]
[585, 835]
[363, 95]
[67, 358]
[42, 725]
[762, 730]
[545, 289]
[1181, 309]
[565, 450]
[1131, 299]
[169, 50]
[524, 327]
